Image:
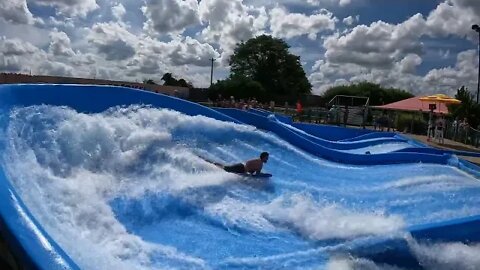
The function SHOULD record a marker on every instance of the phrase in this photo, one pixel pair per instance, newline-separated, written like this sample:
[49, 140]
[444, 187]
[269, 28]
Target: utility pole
[211, 72]
[477, 29]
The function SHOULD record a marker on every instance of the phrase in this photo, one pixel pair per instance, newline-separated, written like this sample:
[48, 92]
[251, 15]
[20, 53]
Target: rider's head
[264, 157]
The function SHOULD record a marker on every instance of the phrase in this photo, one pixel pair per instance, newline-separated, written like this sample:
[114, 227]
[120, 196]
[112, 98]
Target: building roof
[413, 105]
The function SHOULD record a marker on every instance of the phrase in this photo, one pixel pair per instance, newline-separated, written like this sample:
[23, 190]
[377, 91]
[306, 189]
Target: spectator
[345, 116]
[299, 110]
[439, 129]
[272, 106]
[430, 127]
[464, 127]
[333, 114]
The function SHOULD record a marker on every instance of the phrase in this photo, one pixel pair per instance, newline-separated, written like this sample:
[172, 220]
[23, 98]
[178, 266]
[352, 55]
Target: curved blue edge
[335, 133]
[317, 134]
[25, 237]
[371, 135]
[420, 147]
[337, 145]
[282, 118]
[37, 250]
[397, 251]
[93, 99]
[312, 146]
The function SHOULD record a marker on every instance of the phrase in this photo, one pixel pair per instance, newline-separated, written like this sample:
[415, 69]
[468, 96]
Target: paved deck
[448, 145]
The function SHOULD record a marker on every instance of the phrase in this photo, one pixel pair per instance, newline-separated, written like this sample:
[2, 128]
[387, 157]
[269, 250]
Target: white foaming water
[299, 212]
[68, 167]
[437, 183]
[439, 256]
[318, 222]
[447, 256]
[379, 148]
[357, 264]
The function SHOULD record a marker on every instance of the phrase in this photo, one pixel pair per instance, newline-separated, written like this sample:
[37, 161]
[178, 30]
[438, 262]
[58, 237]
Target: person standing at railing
[299, 110]
[345, 115]
[430, 128]
[439, 129]
[464, 127]
[272, 106]
[477, 135]
[455, 128]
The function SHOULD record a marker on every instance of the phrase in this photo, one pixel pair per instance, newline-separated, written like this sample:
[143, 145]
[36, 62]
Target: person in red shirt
[299, 110]
[299, 107]
[253, 166]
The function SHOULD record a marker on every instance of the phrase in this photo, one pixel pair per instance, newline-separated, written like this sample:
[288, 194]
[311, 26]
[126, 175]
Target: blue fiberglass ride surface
[321, 148]
[326, 143]
[123, 188]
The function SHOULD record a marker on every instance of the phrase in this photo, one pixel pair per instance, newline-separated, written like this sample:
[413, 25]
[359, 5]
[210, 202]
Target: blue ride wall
[26, 238]
[307, 144]
[333, 133]
[37, 250]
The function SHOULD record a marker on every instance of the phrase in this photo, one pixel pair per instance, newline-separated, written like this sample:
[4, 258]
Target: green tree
[239, 87]
[266, 60]
[169, 80]
[149, 81]
[377, 94]
[467, 109]
[184, 83]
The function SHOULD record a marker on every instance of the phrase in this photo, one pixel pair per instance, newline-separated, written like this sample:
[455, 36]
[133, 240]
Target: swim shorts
[236, 168]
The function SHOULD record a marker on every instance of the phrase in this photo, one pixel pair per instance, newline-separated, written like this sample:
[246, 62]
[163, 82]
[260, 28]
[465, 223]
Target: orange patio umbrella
[441, 98]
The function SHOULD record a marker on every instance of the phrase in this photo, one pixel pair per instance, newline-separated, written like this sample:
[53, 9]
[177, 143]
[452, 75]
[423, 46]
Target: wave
[96, 182]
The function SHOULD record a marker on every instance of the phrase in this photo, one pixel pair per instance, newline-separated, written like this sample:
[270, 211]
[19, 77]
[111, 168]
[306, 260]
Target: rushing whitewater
[126, 189]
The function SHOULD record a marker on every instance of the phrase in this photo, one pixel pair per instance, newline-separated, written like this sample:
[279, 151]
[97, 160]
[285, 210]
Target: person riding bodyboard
[251, 167]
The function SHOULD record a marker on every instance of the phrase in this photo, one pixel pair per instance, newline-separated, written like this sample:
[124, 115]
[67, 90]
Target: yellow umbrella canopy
[441, 98]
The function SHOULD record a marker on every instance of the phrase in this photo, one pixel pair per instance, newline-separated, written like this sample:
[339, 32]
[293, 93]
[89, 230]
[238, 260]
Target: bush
[411, 123]
[239, 87]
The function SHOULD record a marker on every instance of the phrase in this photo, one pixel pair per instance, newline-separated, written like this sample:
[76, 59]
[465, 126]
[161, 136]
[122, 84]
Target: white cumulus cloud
[70, 8]
[164, 16]
[287, 25]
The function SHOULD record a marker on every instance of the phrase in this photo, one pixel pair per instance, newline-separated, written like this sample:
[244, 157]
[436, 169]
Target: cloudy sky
[424, 46]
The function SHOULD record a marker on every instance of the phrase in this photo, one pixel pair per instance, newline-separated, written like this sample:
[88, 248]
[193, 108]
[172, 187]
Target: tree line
[264, 68]
[169, 80]
[468, 109]
[378, 95]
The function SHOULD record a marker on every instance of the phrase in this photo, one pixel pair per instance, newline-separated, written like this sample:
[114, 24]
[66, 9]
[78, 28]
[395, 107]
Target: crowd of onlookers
[438, 128]
[245, 104]
[382, 123]
[459, 127]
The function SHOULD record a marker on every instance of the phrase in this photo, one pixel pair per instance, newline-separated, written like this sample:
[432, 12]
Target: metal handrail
[337, 96]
